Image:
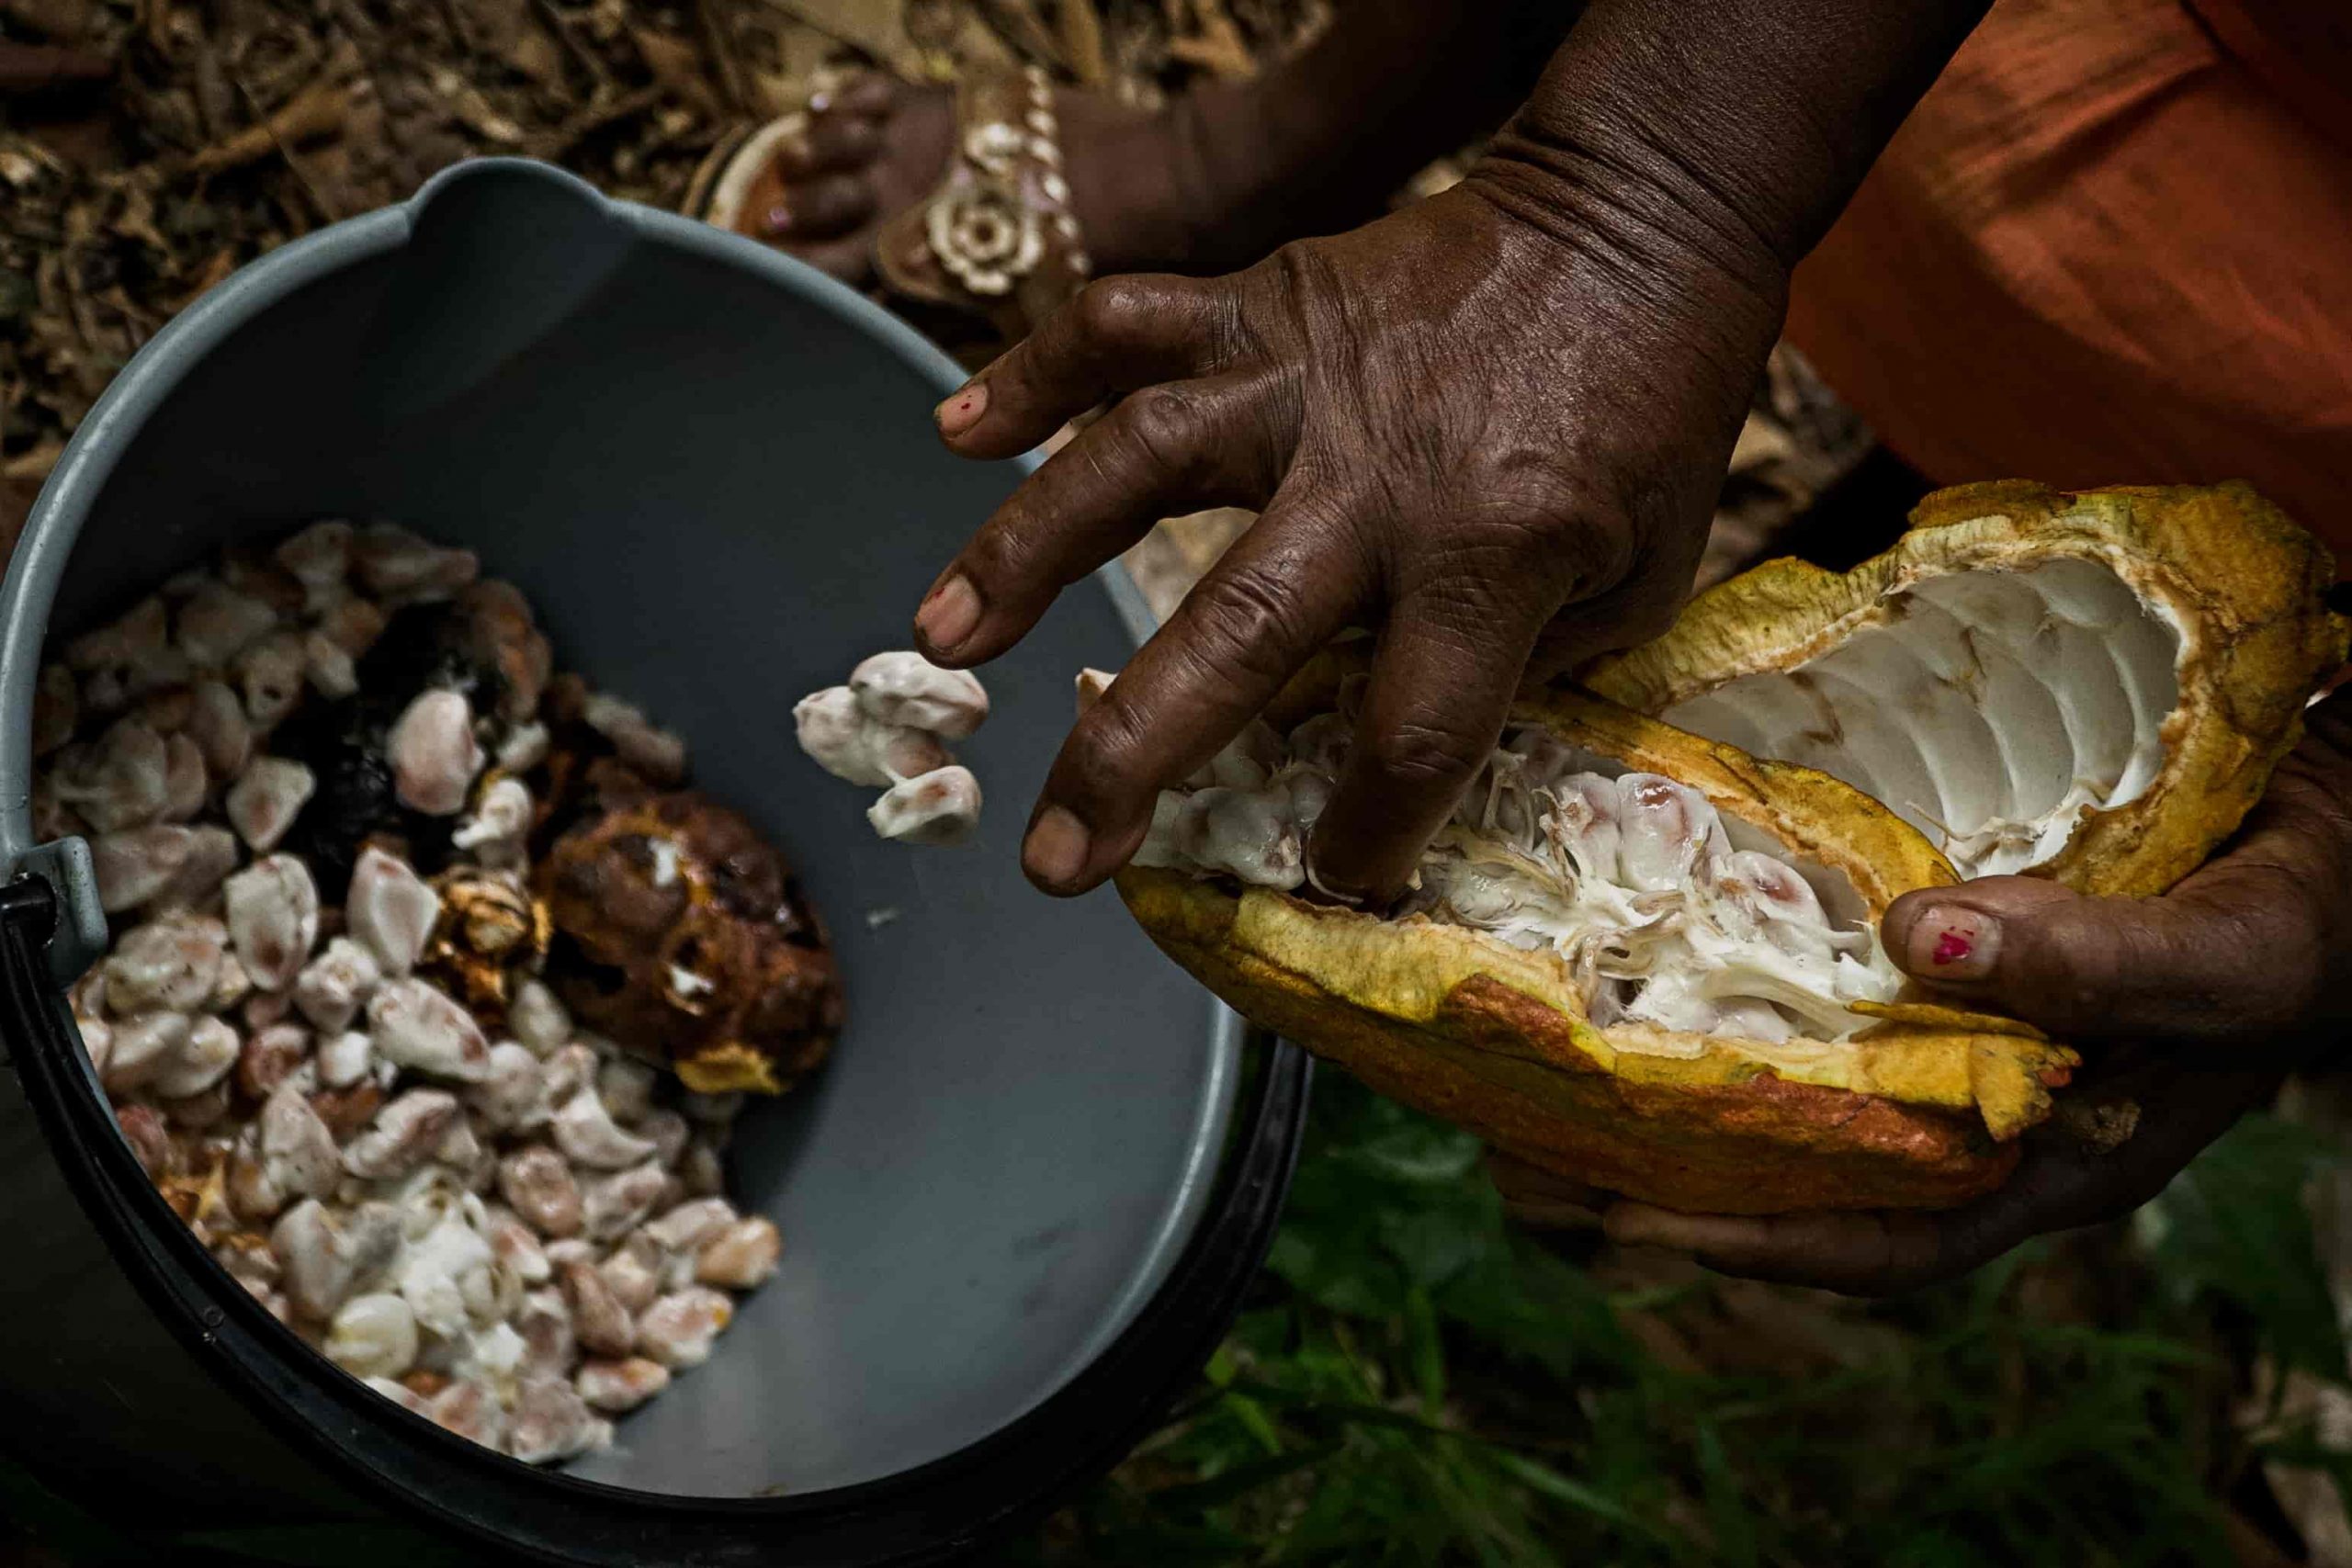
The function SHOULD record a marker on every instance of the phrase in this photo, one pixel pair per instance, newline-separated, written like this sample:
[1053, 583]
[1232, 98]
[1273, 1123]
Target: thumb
[2223, 955]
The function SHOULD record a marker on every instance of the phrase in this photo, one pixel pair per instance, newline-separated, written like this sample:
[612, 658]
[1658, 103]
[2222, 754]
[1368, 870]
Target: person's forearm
[1327, 135]
[1733, 126]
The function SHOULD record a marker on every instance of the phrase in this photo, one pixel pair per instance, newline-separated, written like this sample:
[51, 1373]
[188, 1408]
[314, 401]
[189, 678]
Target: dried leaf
[33, 467]
[1023, 28]
[1762, 444]
[222, 263]
[536, 55]
[316, 112]
[676, 64]
[1082, 42]
[878, 31]
[1215, 45]
[474, 111]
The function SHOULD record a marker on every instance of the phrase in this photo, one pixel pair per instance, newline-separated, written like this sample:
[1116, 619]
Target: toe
[867, 95]
[833, 143]
[820, 209]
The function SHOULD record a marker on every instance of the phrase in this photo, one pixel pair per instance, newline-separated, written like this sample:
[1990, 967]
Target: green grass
[1418, 1383]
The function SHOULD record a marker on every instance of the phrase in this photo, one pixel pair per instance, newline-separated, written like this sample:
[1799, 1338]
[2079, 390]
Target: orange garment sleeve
[2109, 248]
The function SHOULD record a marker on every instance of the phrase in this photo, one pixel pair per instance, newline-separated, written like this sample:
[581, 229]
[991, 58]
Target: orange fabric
[2299, 50]
[2104, 249]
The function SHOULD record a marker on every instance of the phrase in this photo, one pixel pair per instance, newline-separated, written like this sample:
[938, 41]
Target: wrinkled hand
[2205, 998]
[1492, 427]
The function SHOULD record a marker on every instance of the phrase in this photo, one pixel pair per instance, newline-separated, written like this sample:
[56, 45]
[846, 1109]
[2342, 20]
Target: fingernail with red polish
[949, 614]
[1056, 852]
[962, 411]
[1952, 943]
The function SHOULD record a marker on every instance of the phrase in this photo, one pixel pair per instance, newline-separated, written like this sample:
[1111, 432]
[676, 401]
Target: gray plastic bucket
[1024, 1198]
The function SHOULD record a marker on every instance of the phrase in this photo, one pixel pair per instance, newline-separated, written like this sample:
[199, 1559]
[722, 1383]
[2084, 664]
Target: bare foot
[875, 147]
[1223, 174]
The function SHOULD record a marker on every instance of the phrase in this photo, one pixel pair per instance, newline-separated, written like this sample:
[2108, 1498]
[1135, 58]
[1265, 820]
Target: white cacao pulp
[1665, 912]
[1988, 709]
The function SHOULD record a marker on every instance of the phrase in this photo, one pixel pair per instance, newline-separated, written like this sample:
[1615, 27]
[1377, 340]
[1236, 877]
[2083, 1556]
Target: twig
[138, 324]
[298, 222]
[1023, 28]
[78, 306]
[1218, 47]
[561, 25]
[863, 30]
[800, 15]
[356, 19]
[25, 146]
[222, 263]
[316, 111]
[216, 105]
[569, 134]
[1082, 42]
[33, 467]
[723, 63]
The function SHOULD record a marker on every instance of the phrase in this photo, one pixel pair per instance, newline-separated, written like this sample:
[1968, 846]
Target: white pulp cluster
[888, 728]
[1989, 709]
[1635, 881]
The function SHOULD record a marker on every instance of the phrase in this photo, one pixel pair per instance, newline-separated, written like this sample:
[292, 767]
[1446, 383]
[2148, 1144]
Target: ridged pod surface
[2091, 686]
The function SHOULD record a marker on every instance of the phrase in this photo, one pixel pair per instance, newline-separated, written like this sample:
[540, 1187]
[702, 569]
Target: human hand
[1492, 427]
[2207, 996]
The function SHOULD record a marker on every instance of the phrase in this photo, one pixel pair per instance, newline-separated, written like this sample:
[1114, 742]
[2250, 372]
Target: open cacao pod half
[1643, 954]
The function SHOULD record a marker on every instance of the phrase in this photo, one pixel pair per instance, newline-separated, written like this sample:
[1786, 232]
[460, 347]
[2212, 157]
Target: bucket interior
[718, 482]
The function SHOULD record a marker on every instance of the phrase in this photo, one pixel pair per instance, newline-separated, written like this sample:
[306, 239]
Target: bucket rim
[37, 566]
[1138, 1360]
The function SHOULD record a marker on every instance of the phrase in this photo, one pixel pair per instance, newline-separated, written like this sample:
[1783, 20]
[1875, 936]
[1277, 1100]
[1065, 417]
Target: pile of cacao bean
[307, 774]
